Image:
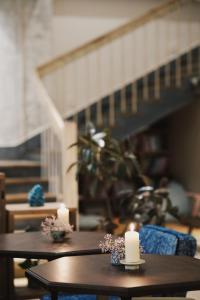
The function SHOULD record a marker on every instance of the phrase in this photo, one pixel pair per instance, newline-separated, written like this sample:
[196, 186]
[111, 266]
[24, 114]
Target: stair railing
[85, 75]
[76, 80]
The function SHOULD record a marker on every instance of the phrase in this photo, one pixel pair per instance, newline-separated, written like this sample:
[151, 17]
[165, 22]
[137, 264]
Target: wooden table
[95, 275]
[34, 245]
[24, 211]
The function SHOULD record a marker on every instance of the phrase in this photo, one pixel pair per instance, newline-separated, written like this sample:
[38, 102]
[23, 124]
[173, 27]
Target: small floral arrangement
[55, 229]
[114, 246]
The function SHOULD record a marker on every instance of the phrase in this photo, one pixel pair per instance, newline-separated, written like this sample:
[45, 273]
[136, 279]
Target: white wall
[25, 31]
[88, 79]
[78, 21]
[30, 35]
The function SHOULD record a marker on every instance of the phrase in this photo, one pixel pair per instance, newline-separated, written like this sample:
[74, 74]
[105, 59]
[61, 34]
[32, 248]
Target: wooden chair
[4, 264]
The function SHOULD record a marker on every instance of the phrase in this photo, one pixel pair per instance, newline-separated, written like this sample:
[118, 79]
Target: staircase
[149, 109]
[21, 175]
[126, 80]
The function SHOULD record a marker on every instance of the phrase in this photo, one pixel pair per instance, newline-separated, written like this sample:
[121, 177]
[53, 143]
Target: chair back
[160, 240]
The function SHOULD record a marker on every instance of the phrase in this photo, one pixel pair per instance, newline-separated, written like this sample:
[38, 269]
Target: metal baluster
[123, 100]
[99, 113]
[189, 54]
[157, 71]
[167, 74]
[178, 59]
[112, 95]
[76, 91]
[167, 66]
[134, 84]
[87, 72]
[157, 83]
[123, 88]
[134, 97]
[112, 110]
[99, 83]
[145, 88]
[87, 115]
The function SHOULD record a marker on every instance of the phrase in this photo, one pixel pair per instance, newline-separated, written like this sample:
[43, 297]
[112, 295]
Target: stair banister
[149, 56]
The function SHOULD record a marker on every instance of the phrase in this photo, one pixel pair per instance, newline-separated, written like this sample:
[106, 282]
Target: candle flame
[132, 227]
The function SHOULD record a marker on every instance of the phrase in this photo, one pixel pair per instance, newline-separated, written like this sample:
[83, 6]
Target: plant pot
[58, 236]
[115, 259]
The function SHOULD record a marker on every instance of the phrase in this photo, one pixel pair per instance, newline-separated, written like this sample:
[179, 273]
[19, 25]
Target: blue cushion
[160, 240]
[155, 242]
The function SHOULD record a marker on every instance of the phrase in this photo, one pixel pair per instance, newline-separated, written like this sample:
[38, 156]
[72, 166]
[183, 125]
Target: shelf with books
[151, 149]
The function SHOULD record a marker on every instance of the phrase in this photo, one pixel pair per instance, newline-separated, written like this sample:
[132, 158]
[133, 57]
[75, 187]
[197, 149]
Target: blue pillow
[155, 242]
[160, 240]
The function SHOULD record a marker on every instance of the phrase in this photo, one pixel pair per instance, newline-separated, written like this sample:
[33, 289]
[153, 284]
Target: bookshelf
[151, 149]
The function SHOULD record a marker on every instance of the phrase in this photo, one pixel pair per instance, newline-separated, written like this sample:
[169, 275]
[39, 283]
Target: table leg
[54, 295]
[6, 279]
[10, 277]
[3, 278]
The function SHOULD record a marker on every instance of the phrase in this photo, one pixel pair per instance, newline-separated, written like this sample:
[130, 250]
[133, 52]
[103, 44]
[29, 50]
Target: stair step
[24, 184]
[25, 180]
[22, 198]
[20, 168]
[19, 164]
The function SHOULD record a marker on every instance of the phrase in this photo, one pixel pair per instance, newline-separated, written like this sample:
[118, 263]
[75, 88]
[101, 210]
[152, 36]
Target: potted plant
[109, 169]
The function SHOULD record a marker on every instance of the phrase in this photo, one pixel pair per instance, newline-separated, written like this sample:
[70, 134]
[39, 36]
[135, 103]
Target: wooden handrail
[96, 43]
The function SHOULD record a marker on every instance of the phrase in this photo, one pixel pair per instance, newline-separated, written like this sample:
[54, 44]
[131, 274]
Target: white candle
[63, 214]
[132, 245]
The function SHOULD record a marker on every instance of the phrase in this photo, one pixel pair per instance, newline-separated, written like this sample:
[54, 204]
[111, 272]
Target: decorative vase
[115, 258]
[58, 236]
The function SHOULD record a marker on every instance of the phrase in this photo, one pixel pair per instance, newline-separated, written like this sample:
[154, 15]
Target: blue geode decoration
[36, 196]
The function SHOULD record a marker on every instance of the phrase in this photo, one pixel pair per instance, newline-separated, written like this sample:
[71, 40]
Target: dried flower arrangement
[114, 246]
[55, 229]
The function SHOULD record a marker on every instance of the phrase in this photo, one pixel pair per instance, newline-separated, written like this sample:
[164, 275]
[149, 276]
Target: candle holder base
[132, 265]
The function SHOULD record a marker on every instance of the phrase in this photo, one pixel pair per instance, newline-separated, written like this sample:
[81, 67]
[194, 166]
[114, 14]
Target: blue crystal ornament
[36, 196]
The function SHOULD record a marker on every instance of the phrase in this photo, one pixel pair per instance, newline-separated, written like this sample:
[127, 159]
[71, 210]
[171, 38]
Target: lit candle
[63, 214]
[132, 245]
